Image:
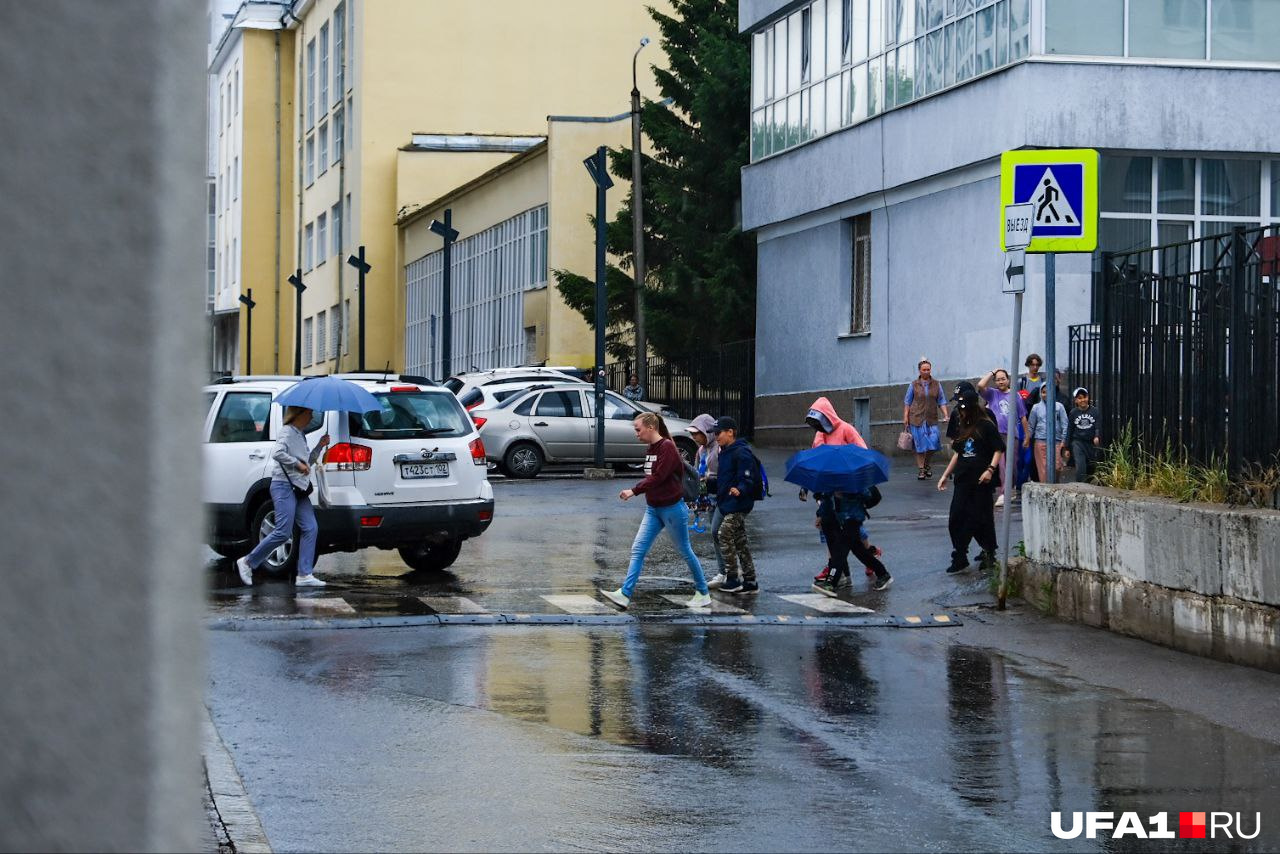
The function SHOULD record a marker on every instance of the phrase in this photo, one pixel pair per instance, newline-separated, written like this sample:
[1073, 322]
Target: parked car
[489, 388]
[555, 423]
[412, 476]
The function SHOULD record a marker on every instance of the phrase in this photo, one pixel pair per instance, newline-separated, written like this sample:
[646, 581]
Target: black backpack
[873, 497]
[691, 483]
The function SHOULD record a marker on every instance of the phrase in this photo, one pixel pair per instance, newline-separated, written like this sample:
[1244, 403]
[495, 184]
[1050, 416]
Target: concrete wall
[102, 227]
[1201, 578]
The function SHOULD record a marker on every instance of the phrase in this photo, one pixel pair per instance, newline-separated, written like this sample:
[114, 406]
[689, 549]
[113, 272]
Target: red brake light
[477, 452]
[350, 457]
[405, 388]
[480, 422]
[472, 406]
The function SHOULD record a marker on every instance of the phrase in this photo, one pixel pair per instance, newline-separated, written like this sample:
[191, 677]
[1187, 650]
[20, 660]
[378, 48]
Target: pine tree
[701, 278]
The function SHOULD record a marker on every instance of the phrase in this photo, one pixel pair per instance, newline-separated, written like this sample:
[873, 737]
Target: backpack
[690, 483]
[872, 498]
[760, 488]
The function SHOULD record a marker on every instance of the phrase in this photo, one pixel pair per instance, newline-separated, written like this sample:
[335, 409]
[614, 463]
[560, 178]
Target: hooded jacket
[842, 432]
[737, 468]
[709, 452]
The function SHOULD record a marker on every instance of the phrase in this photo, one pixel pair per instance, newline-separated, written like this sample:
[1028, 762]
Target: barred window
[306, 342]
[335, 329]
[321, 338]
[860, 279]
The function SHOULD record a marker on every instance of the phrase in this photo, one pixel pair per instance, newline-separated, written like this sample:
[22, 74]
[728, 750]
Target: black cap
[967, 399]
[724, 422]
[963, 387]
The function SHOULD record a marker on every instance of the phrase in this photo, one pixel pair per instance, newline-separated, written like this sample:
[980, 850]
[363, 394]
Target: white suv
[486, 389]
[411, 476]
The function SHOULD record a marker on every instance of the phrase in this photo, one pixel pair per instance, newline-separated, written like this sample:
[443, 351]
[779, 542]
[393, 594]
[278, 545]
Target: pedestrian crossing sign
[1061, 185]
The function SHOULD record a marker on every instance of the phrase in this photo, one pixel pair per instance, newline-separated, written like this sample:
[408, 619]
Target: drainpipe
[279, 203]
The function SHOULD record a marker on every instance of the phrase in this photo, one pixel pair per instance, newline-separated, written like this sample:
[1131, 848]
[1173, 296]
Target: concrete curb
[239, 822]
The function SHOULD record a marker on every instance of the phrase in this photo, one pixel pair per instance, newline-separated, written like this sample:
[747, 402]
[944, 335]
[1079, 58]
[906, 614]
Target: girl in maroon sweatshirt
[663, 490]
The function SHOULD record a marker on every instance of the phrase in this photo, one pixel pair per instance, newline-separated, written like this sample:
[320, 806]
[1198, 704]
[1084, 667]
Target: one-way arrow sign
[1015, 261]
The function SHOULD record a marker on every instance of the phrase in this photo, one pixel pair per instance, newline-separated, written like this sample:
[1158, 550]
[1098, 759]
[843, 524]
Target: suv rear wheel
[280, 560]
[431, 557]
[522, 459]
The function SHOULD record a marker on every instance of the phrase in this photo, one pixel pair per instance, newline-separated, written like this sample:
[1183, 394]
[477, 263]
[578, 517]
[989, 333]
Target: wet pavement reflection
[702, 738]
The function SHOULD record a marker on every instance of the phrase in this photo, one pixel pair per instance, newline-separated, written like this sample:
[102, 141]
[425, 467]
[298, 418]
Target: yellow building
[517, 222]
[251, 166]
[373, 76]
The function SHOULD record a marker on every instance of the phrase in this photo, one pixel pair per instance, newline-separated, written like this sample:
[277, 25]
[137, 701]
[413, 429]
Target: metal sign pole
[1050, 365]
[1010, 464]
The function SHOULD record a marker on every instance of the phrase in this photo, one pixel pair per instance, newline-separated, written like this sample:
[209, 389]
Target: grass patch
[1167, 472]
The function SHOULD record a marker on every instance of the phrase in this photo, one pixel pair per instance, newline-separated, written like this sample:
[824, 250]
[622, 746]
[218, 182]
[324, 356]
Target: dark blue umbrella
[837, 468]
[329, 394]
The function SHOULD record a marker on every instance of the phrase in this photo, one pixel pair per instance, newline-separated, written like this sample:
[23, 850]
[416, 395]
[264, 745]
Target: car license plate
[411, 471]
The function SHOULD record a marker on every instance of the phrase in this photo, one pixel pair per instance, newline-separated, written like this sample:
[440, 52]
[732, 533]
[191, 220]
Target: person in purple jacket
[1005, 404]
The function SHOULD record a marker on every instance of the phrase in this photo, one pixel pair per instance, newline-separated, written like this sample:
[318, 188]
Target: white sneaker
[308, 581]
[617, 598]
[246, 574]
[1000, 500]
[699, 600]
[717, 582]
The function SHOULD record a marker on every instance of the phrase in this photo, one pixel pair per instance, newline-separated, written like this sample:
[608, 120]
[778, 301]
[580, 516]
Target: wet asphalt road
[652, 735]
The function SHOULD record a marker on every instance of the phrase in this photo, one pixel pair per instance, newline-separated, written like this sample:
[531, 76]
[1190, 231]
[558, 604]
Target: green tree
[700, 285]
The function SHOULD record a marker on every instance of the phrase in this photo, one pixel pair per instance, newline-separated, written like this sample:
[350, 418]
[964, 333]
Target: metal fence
[720, 381]
[1185, 346]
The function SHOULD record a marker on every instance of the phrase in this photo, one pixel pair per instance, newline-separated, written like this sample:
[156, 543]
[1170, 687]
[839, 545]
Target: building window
[860, 280]
[324, 147]
[1149, 200]
[338, 129]
[1245, 30]
[324, 67]
[1167, 29]
[322, 239]
[491, 272]
[235, 260]
[235, 94]
[346, 327]
[309, 248]
[306, 342]
[835, 63]
[311, 160]
[322, 339]
[235, 180]
[311, 84]
[335, 329]
[211, 236]
[339, 57]
[349, 224]
[335, 225]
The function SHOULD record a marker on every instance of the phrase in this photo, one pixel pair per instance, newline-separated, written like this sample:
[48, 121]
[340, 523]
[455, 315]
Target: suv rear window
[412, 415]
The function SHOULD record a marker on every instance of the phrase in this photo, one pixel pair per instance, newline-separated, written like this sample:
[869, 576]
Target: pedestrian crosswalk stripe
[825, 604]
[717, 607]
[579, 603]
[327, 604]
[451, 605]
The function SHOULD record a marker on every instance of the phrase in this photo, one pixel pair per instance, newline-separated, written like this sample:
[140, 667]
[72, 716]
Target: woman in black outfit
[975, 461]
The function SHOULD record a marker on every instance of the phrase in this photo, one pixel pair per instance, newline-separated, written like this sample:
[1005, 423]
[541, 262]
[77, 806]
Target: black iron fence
[1186, 345]
[720, 381]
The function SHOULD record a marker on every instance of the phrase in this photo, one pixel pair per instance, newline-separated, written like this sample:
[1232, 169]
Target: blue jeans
[717, 519]
[675, 519]
[289, 507]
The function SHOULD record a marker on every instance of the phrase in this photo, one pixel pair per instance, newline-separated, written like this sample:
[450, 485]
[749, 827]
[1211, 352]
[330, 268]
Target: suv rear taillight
[479, 422]
[350, 457]
[477, 452]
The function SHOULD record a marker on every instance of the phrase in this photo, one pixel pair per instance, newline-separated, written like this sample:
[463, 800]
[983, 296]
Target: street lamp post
[363, 268]
[446, 230]
[296, 281]
[600, 175]
[637, 224]
[248, 303]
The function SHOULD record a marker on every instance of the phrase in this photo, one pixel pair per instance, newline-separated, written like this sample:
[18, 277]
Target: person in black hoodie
[1083, 433]
[735, 496]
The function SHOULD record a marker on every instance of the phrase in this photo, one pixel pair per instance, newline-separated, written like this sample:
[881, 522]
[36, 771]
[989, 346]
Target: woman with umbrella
[291, 484]
[291, 498]
[843, 477]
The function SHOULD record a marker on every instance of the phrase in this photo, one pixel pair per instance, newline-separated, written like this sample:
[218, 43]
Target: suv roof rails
[384, 376]
[253, 378]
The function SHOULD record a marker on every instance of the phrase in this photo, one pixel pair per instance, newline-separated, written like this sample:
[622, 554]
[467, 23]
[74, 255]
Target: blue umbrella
[837, 468]
[328, 394]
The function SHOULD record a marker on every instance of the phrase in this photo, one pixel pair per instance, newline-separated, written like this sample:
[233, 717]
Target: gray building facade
[877, 218]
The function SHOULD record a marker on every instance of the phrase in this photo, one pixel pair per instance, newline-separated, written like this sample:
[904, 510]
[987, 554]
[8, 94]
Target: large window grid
[835, 63]
[306, 342]
[1225, 30]
[321, 337]
[491, 272]
[1151, 200]
[311, 84]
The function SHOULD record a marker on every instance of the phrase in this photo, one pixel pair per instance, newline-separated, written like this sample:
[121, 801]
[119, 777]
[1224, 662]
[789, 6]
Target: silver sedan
[556, 424]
